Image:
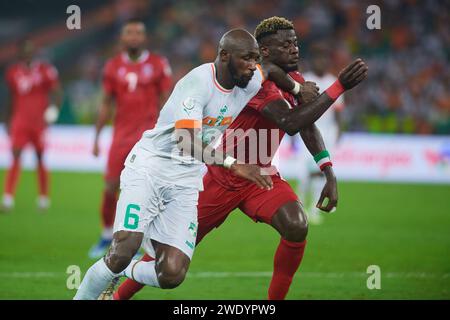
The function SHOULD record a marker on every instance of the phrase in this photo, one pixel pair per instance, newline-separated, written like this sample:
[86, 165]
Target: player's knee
[123, 248]
[117, 261]
[171, 276]
[296, 231]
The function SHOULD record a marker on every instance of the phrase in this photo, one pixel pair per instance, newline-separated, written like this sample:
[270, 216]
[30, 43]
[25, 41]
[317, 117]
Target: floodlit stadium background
[393, 163]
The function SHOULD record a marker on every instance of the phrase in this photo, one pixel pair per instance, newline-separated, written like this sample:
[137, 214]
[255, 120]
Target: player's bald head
[238, 55]
[237, 40]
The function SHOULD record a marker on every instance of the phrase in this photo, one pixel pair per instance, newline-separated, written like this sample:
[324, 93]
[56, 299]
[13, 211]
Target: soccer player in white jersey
[157, 207]
[329, 125]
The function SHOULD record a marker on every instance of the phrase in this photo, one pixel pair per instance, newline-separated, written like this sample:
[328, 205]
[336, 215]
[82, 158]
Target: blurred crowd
[409, 76]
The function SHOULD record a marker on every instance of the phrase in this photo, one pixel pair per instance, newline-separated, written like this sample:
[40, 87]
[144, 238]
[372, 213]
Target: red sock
[12, 177]
[42, 179]
[108, 208]
[286, 262]
[129, 287]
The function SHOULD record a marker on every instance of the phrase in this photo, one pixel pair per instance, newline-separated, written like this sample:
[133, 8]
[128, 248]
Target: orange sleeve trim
[262, 73]
[188, 124]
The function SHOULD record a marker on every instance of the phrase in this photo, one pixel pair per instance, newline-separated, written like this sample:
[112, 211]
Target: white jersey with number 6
[197, 101]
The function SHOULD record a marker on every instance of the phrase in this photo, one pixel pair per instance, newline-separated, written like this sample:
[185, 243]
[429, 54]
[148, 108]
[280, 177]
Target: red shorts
[216, 202]
[22, 135]
[116, 158]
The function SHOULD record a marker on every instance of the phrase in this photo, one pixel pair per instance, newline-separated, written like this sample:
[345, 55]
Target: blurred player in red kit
[275, 112]
[35, 98]
[139, 82]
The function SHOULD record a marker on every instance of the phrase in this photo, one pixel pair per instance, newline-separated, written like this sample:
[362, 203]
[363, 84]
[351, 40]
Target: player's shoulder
[12, 67]
[43, 64]
[47, 66]
[157, 58]
[203, 74]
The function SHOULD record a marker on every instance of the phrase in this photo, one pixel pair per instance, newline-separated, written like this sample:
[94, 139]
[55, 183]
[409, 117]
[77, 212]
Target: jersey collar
[144, 55]
[217, 84]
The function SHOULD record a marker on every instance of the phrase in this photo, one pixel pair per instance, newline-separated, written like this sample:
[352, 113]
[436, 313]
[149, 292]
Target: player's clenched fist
[252, 172]
[353, 74]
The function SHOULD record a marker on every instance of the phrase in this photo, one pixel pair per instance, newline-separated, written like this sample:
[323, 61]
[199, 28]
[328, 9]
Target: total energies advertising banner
[358, 156]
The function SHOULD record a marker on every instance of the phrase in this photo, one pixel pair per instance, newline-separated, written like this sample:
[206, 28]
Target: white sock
[142, 272]
[107, 233]
[97, 279]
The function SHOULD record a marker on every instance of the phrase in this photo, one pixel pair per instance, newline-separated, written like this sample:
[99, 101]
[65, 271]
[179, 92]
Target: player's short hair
[271, 26]
[133, 20]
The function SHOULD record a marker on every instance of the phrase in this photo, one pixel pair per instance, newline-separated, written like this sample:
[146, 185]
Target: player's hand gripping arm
[104, 115]
[190, 143]
[314, 142]
[293, 120]
[306, 92]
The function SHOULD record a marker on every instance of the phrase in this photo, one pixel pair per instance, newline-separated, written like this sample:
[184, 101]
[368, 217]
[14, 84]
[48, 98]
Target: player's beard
[241, 82]
[134, 51]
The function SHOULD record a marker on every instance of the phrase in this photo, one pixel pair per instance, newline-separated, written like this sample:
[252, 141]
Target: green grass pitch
[404, 229]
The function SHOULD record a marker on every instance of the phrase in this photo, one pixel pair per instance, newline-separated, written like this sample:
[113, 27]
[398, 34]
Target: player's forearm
[8, 111]
[306, 115]
[103, 116]
[190, 144]
[313, 139]
[56, 97]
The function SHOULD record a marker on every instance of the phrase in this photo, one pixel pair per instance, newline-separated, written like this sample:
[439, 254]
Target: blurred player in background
[139, 83]
[35, 99]
[274, 111]
[329, 125]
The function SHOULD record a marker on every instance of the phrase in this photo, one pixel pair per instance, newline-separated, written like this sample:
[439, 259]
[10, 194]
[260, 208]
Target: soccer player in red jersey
[277, 112]
[35, 98]
[139, 82]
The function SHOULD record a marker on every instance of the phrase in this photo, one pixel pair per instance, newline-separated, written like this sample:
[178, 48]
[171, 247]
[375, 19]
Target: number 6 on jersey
[133, 224]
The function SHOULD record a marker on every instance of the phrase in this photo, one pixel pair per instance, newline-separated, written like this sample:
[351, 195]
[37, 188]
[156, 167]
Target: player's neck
[223, 76]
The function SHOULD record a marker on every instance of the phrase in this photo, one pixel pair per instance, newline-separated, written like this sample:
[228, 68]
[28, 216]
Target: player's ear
[264, 50]
[224, 55]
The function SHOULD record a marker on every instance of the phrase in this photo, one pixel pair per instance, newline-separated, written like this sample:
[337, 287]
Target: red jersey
[260, 137]
[136, 87]
[30, 88]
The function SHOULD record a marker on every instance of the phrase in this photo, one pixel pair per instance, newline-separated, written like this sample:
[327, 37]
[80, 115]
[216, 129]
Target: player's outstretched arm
[190, 143]
[293, 120]
[105, 113]
[313, 140]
